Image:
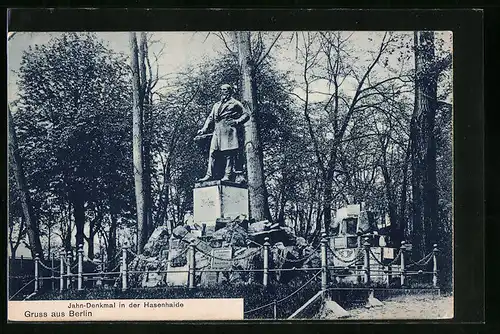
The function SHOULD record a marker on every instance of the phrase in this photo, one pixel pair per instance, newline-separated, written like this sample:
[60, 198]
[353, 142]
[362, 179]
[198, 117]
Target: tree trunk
[142, 228]
[259, 206]
[111, 251]
[67, 235]
[79, 212]
[403, 196]
[146, 116]
[49, 241]
[428, 105]
[327, 208]
[17, 166]
[396, 232]
[424, 187]
[90, 241]
[416, 183]
[328, 190]
[15, 244]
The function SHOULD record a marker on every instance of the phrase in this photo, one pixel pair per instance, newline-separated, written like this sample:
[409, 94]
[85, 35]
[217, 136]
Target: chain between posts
[275, 302]
[66, 260]
[355, 259]
[301, 259]
[229, 260]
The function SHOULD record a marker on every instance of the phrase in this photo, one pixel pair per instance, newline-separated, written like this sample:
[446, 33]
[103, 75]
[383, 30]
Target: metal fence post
[389, 275]
[265, 277]
[98, 282]
[435, 250]
[402, 268]
[275, 309]
[69, 257]
[52, 278]
[37, 259]
[366, 246]
[324, 263]
[80, 267]
[61, 270]
[192, 264]
[124, 268]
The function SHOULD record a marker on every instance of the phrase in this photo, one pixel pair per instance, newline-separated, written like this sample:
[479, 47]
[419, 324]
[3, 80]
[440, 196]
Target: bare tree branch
[268, 50]
[223, 39]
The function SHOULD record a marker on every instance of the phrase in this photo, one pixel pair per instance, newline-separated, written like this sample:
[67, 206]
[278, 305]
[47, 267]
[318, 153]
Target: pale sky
[187, 48]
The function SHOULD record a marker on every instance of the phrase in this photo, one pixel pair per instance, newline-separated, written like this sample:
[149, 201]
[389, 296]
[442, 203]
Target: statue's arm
[245, 115]
[208, 122]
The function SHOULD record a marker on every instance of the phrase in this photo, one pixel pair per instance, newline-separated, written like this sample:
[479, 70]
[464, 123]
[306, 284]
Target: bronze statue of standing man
[227, 116]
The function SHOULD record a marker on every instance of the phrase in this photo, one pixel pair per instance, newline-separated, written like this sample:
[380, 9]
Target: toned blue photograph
[308, 173]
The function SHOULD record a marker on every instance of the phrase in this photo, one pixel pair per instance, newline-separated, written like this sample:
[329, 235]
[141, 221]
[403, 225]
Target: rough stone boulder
[157, 242]
[232, 235]
[288, 236]
[145, 271]
[260, 226]
[260, 230]
[180, 232]
[287, 251]
[245, 259]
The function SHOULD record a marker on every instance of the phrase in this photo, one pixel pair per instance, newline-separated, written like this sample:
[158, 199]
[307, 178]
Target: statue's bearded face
[225, 92]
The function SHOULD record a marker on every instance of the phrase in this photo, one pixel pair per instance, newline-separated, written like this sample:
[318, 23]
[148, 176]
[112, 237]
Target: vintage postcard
[230, 175]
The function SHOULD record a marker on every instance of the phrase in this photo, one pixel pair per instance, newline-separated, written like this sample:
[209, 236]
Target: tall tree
[17, 166]
[336, 120]
[259, 207]
[72, 98]
[137, 127]
[423, 136]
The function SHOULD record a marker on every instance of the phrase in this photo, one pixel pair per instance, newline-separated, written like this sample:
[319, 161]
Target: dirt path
[407, 307]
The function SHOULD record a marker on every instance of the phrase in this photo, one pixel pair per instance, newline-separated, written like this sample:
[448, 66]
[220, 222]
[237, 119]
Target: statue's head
[226, 91]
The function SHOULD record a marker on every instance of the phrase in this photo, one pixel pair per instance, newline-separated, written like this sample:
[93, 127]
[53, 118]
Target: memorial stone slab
[219, 199]
[220, 256]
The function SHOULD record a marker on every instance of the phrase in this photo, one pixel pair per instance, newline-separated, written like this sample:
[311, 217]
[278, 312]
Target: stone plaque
[203, 246]
[219, 255]
[388, 253]
[234, 201]
[207, 205]
[217, 199]
[339, 242]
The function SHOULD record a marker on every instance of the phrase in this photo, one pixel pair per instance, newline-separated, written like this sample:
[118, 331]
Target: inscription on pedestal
[219, 199]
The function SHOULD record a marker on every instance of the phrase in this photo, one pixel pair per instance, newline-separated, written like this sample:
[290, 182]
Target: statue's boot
[210, 168]
[205, 178]
[229, 168]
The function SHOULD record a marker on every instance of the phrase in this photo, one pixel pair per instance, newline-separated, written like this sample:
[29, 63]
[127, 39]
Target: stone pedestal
[219, 199]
